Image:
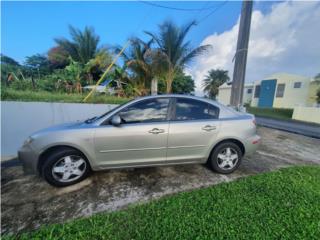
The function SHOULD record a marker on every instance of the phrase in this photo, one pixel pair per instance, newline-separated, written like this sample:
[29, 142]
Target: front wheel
[225, 158]
[65, 167]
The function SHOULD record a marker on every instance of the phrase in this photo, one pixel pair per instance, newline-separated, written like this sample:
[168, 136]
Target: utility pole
[241, 55]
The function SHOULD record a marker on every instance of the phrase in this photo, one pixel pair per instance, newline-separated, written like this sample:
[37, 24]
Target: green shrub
[21, 85]
[282, 113]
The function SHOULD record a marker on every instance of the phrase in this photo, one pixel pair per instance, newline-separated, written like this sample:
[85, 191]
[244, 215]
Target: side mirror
[116, 120]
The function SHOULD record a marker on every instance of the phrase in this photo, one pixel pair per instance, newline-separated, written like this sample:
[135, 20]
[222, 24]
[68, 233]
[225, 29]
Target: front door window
[151, 110]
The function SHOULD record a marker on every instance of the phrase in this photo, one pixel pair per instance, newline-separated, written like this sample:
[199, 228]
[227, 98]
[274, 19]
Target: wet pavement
[28, 202]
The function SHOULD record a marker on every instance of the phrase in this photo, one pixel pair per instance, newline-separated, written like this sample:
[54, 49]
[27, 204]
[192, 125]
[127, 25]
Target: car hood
[59, 127]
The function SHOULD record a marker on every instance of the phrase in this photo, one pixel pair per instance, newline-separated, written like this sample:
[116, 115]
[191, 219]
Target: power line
[175, 8]
[205, 6]
[212, 12]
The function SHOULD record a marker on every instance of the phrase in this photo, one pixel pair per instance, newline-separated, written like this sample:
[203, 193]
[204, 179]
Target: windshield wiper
[90, 120]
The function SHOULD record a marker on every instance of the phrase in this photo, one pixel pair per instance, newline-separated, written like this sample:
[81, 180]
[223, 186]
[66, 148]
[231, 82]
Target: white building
[225, 93]
[283, 90]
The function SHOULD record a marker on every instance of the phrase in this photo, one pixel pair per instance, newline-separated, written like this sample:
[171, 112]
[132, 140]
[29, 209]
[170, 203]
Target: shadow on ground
[29, 202]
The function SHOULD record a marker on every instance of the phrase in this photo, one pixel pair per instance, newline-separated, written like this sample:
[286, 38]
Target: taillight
[254, 121]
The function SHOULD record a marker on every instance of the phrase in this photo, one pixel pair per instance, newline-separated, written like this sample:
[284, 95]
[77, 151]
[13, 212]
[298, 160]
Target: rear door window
[190, 109]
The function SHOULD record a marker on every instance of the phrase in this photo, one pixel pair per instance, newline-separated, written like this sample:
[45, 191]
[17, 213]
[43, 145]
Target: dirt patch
[29, 202]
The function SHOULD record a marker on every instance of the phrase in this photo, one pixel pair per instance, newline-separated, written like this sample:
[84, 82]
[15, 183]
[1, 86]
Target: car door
[192, 130]
[140, 139]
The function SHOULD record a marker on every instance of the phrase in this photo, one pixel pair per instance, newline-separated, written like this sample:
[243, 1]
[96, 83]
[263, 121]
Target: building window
[249, 90]
[257, 91]
[280, 90]
[297, 85]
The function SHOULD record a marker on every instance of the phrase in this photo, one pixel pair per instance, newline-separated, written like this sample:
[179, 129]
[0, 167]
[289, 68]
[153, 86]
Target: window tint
[189, 109]
[152, 110]
[297, 85]
[280, 90]
[257, 91]
[249, 90]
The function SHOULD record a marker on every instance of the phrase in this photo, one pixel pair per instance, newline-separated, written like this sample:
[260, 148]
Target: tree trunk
[154, 86]
[170, 77]
[33, 82]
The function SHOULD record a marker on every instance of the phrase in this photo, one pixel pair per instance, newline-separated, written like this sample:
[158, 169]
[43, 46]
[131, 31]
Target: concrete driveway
[28, 202]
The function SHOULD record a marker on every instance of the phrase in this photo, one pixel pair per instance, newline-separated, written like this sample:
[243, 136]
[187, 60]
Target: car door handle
[209, 128]
[156, 131]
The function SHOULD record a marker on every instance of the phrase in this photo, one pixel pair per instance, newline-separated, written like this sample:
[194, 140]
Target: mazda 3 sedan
[150, 131]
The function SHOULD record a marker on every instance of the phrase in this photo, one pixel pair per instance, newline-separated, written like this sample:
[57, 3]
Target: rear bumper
[29, 159]
[252, 144]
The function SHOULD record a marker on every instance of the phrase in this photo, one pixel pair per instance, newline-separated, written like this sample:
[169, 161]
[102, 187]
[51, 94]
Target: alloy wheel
[227, 158]
[69, 168]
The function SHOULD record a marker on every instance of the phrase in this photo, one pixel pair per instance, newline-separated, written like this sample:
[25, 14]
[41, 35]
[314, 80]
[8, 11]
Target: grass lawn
[280, 113]
[43, 96]
[283, 204]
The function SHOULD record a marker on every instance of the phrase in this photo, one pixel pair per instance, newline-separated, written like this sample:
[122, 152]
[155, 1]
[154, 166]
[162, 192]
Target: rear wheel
[65, 167]
[225, 158]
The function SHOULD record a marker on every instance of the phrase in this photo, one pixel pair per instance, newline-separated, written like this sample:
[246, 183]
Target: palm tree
[146, 63]
[83, 45]
[178, 52]
[213, 80]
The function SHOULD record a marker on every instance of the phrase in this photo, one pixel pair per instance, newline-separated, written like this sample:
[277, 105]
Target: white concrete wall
[225, 94]
[307, 114]
[20, 119]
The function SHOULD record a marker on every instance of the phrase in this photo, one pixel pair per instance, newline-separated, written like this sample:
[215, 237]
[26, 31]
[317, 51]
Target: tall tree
[97, 65]
[58, 57]
[8, 60]
[183, 84]
[147, 64]
[83, 44]
[171, 41]
[213, 80]
[37, 61]
[37, 64]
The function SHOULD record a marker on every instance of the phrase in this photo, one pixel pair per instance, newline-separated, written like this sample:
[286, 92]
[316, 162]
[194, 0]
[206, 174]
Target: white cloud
[287, 39]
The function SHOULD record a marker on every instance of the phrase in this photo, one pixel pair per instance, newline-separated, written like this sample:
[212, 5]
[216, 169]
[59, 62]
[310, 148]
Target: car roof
[179, 96]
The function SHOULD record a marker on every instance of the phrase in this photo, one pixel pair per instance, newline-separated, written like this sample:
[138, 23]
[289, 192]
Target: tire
[63, 163]
[216, 162]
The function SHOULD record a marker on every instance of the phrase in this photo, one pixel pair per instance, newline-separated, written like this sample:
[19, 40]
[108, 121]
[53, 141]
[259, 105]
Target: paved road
[310, 130]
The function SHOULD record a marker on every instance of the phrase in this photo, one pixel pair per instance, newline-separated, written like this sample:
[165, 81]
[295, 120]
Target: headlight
[28, 141]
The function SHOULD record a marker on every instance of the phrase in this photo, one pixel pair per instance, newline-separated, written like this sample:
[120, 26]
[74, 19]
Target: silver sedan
[149, 131]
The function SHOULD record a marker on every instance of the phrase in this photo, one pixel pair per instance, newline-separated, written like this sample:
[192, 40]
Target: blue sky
[279, 37]
[29, 27]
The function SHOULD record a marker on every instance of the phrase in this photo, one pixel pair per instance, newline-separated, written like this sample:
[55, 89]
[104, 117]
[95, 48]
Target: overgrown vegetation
[81, 60]
[8, 94]
[281, 113]
[282, 204]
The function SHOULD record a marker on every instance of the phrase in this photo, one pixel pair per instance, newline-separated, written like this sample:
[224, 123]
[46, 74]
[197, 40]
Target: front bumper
[29, 159]
[252, 144]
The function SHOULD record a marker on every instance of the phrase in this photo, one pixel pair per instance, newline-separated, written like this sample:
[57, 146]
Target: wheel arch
[51, 149]
[238, 142]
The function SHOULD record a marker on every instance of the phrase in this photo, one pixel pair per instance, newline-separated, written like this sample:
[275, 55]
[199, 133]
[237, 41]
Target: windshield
[91, 120]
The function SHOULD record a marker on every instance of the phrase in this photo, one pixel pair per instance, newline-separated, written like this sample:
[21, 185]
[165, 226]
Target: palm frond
[194, 53]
